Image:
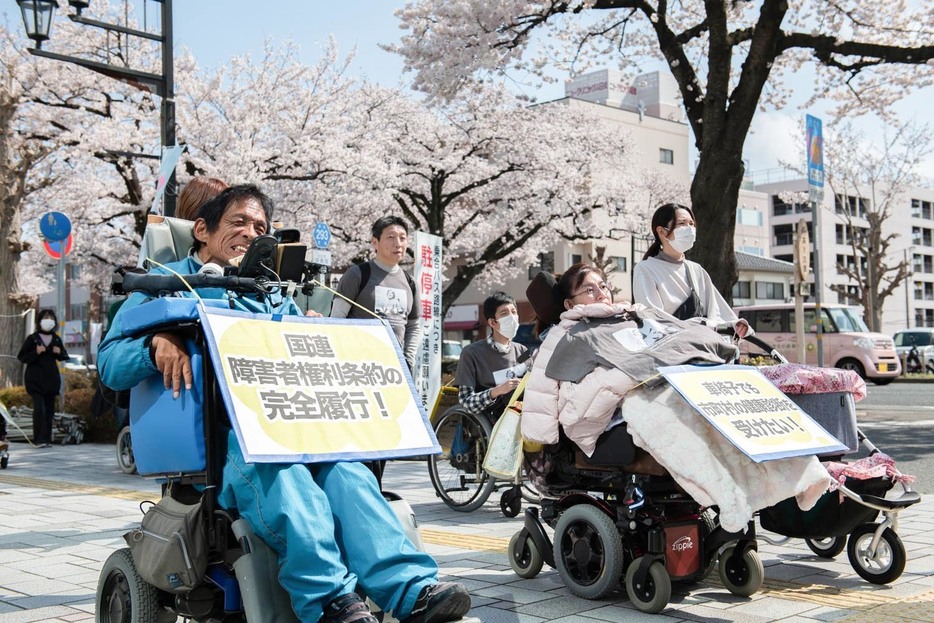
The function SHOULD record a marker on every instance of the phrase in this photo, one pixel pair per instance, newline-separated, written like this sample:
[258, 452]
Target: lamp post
[37, 17]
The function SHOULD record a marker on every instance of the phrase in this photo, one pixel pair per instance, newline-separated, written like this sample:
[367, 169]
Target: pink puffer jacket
[583, 409]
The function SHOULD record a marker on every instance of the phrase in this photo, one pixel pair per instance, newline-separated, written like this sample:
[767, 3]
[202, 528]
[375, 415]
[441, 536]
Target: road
[899, 420]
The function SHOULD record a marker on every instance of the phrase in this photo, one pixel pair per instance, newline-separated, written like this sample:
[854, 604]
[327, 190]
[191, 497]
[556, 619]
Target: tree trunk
[714, 196]
[11, 247]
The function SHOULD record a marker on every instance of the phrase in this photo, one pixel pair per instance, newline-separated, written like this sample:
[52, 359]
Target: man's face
[243, 221]
[391, 246]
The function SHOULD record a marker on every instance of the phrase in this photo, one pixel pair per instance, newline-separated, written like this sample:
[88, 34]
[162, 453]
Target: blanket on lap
[711, 469]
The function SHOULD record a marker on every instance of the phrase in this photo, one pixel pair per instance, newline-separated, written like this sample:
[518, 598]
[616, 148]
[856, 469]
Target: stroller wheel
[827, 547]
[743, 577]
[888, 562]
[654, 595]
[524, 557]
[588, 552]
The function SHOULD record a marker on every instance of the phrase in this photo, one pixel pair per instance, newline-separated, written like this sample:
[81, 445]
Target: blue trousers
[332, 530]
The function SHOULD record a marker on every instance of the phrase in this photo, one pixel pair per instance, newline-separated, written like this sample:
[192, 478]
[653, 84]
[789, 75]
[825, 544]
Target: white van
[848, 342]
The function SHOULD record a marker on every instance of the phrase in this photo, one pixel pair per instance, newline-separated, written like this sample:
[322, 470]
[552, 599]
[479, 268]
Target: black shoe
[441, 602]
[348, 608]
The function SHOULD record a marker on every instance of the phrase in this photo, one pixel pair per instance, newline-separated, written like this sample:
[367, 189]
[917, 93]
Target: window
[786, 258]
[781, 208]
[746, 216]
[752, 251]
[622, 263]
[916, 235]
[769, 321]
[915, 208]
[919, 290]
[784, 234]
[741, 290]
[853, 206]
[770, 290]
[576, 258]
[666, 156]
[916, 263]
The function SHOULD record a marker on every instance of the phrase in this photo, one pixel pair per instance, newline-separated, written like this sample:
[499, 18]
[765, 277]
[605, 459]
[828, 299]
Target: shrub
[15, 396]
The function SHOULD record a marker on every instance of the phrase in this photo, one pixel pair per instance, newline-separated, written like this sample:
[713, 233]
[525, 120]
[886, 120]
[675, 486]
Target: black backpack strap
[365, 273]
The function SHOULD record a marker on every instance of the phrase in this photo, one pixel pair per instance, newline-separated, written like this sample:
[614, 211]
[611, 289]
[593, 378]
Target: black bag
[170, 547]
[692, 307]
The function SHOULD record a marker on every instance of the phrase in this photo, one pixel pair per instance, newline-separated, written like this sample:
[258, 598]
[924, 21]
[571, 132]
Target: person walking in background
[381, 286]
[489, 370]
[41, 353]
[666, 281]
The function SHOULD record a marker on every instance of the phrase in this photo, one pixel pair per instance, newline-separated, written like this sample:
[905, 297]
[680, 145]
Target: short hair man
[322, 519]
[381, 286]
[489, 370]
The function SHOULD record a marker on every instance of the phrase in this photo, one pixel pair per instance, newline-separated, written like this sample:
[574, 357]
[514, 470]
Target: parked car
[922, 340]
[78, 362]
[847, 341]
[450, 355]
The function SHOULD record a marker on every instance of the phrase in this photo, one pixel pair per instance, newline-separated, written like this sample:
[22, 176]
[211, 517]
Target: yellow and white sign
[305, 390]
[751, 412]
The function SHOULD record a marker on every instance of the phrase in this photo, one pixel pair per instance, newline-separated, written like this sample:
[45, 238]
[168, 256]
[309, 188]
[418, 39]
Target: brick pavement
[64, 509]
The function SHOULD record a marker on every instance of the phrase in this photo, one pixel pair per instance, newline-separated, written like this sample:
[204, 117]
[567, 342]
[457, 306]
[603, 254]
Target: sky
[216, 30]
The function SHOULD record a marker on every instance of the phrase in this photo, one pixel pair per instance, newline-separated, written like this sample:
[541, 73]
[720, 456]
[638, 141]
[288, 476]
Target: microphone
[210, 268]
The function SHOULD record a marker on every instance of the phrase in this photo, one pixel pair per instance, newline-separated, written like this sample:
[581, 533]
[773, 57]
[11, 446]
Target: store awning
[461, 325]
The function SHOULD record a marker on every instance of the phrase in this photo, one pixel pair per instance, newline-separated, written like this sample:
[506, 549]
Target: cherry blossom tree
[729, 57]
[496, 180]
[60, 129]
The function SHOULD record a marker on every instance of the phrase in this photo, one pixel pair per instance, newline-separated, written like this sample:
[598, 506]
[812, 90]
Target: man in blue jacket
[328, 522]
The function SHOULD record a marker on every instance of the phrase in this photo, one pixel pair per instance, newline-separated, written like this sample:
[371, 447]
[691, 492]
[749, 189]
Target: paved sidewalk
[64, 509]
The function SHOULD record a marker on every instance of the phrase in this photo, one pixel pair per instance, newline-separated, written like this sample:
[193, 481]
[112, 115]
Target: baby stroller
[846, 518]
[618, 516]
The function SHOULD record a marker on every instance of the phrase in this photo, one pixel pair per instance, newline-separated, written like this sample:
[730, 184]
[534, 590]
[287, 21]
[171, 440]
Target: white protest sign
[751, 412]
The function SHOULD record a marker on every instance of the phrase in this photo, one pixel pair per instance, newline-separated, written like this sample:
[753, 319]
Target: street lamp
[37, 17]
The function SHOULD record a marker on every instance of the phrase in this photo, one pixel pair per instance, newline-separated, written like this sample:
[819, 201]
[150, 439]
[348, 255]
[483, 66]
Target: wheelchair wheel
[654, 595]
[828, 547]
[457, 473]
[123, 596]
[744, 578]
[888, 563]
[588, 552]
[125, 460]
[510, 503]
[524, 557]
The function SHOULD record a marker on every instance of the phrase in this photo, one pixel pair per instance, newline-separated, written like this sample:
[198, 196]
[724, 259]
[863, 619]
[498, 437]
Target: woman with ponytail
[666, 281]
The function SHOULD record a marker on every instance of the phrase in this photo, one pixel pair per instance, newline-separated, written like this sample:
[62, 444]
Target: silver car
[921, 339]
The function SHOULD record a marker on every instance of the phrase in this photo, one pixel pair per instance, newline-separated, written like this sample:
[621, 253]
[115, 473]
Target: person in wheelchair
[489, 370]
[328, 522]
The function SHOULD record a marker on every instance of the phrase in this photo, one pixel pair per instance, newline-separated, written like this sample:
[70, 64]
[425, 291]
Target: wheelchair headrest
[543, 297]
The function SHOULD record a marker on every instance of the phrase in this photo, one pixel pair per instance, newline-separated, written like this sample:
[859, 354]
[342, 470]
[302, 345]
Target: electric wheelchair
[181, 442]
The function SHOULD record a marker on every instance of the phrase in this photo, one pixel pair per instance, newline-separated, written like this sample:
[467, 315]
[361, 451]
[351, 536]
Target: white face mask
[684, 239]
[509, 326]
[47, 324]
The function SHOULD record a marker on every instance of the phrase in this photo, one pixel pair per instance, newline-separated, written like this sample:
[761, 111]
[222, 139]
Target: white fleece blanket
[711, 469]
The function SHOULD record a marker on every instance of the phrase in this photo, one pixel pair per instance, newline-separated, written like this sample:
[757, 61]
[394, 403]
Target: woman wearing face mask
[665, 280]
[489, 371]
[40, 352]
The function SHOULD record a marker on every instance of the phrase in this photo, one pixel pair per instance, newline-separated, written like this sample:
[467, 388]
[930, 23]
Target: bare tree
[868, 183]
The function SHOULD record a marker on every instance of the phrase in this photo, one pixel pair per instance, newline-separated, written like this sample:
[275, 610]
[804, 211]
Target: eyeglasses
[592, 291]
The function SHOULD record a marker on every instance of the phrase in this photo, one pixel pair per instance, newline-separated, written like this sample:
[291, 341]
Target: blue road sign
[815, 151]
[321, 235]
[54, 226]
